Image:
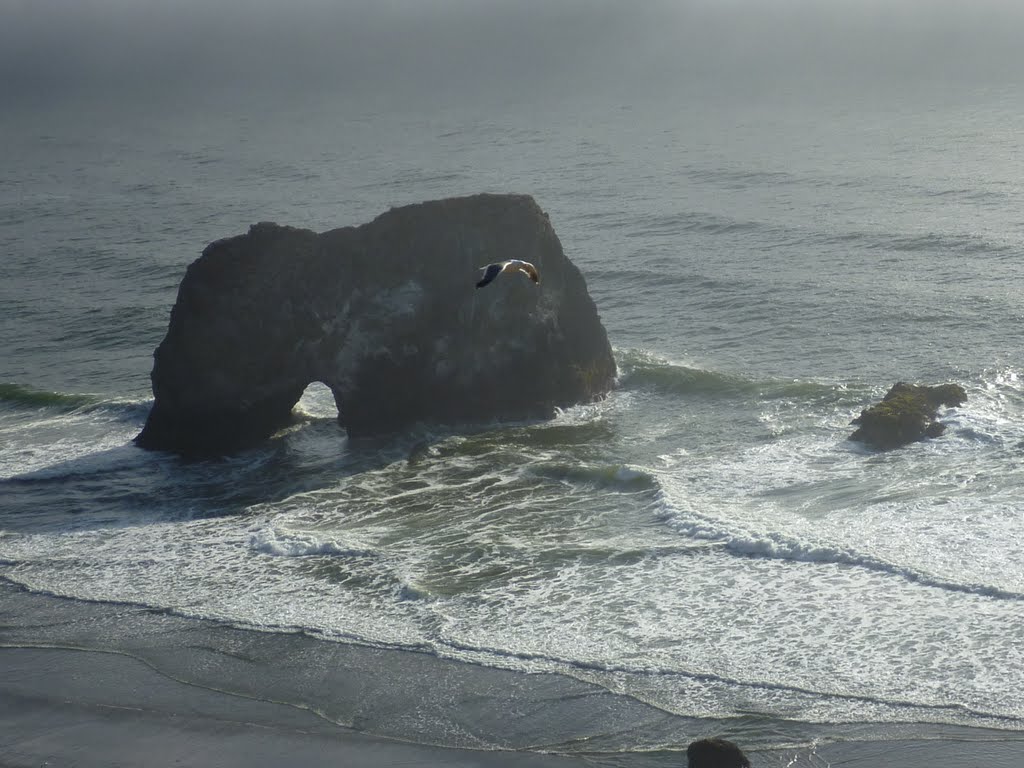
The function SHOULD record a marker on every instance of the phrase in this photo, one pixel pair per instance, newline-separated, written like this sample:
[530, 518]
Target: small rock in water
[906, 414]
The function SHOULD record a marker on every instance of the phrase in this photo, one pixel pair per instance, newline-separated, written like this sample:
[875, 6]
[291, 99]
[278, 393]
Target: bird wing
[488, 273]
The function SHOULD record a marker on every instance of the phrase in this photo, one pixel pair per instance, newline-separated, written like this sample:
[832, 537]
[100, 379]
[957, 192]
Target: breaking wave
[640, 370]
[25, 397]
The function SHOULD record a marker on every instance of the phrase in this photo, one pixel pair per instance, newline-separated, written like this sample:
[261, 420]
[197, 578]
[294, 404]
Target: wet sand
[98, 684]
[84, 708]
[91, 709]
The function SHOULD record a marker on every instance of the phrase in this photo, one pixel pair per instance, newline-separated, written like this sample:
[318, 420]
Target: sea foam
[279, 543]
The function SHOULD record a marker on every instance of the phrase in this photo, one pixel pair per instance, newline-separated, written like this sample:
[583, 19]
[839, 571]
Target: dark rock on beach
[388, 317]
[715, 753]
[906, 414]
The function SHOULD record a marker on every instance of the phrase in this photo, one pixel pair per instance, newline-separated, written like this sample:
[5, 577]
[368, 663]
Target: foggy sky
[53, 48]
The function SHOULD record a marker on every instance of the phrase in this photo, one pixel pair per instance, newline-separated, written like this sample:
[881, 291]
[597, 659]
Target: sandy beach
[105, 685]
[62, 707]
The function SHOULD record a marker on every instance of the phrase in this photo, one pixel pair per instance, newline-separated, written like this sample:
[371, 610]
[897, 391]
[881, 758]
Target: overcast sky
[54, 47]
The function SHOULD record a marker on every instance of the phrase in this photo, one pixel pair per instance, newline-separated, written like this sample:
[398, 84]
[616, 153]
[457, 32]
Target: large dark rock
[388, 317]
[906, 414]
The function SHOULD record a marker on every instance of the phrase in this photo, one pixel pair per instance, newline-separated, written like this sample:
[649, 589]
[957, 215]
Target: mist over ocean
[771, 244]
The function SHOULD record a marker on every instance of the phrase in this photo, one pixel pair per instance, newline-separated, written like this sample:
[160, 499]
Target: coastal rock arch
[387, 316]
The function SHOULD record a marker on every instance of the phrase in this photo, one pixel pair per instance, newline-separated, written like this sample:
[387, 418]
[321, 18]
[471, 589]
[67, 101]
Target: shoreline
[94, 708]
[97, 684]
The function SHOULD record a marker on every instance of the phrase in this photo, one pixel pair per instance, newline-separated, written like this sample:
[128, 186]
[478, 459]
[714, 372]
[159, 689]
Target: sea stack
[387, 315]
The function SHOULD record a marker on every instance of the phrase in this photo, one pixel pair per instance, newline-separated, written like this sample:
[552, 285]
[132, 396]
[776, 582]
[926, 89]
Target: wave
[740, 179]
[639, 369]
[606, 477]
[643, 225]
[707, 223]
[573, 667]
[62, 404]
[775, 546]
[925, 242]
[279, 543]
[25, 397]
[699, 222]
[964, 193]
[659, 277]
[772, 234]
[413, 177]
[53, 436]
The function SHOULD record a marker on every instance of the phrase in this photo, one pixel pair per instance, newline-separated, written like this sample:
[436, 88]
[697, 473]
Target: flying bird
[491, 271]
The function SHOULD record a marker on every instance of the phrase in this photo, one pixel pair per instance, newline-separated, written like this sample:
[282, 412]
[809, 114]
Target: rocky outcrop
[387, 316]
[906, 414]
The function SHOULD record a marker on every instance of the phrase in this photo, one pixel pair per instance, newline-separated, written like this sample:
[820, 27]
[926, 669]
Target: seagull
[491, 271]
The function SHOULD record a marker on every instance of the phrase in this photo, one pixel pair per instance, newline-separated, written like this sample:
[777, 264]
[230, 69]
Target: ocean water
[705, 548]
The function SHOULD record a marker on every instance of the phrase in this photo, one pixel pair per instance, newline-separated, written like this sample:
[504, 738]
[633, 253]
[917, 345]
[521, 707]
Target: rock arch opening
[317, 401]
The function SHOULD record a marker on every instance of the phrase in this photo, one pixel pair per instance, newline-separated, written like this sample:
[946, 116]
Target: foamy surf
[279, 542]
[70, 434]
